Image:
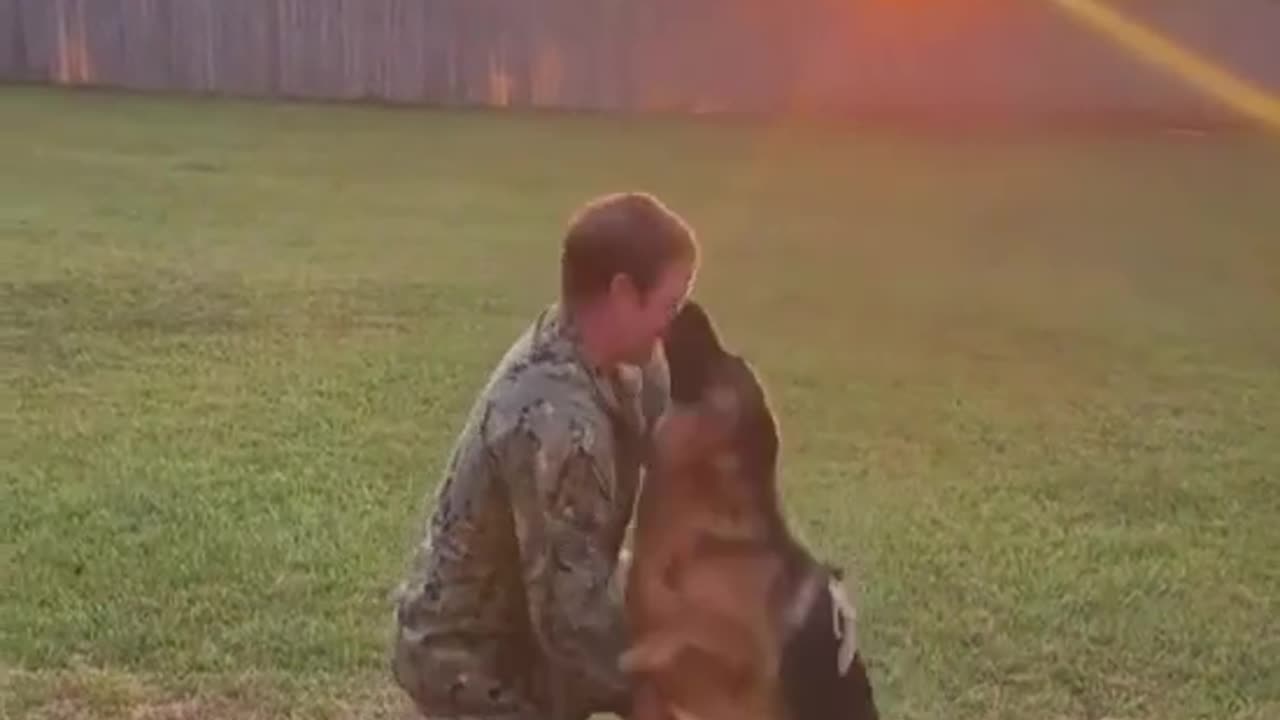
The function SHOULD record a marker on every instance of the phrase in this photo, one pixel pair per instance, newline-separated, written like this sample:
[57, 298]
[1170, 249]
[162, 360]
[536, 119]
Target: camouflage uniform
[513, 609]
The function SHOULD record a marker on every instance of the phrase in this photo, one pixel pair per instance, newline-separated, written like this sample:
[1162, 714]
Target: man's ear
[623, 287]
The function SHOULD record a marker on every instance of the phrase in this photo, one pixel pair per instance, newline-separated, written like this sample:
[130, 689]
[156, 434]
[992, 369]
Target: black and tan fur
[732, 617]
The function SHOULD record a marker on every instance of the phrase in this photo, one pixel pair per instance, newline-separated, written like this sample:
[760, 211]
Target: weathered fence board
[993, 57]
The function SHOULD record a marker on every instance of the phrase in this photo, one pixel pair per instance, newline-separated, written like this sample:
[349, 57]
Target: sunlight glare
[1214, 80]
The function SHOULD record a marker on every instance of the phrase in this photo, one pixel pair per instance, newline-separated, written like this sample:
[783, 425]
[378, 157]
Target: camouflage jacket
[519, 563]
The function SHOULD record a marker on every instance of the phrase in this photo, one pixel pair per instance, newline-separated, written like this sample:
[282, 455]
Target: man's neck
[593, 334]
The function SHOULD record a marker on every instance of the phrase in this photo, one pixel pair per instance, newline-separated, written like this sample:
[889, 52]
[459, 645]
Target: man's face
[642, 319]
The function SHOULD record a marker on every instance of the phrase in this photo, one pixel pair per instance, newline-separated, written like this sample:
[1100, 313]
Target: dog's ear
[693, 349]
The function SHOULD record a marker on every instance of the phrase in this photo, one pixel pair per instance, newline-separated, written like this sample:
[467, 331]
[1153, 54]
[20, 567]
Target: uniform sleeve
[562, 505]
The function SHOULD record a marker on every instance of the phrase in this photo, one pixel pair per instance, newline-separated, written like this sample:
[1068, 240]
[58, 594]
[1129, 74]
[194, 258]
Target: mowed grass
[1029, 389]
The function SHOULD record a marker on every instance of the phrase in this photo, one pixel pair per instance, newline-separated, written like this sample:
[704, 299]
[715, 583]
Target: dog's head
[719, 410]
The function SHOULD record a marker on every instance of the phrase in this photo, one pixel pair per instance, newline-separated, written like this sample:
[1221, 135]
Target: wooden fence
[935, 57]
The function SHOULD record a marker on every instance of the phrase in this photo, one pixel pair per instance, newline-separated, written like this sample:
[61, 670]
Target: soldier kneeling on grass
[514, 606]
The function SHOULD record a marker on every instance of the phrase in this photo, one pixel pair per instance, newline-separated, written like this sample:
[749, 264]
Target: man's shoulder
[540, 390]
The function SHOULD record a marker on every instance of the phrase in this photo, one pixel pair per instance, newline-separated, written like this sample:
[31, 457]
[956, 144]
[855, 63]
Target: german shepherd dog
[731, 617]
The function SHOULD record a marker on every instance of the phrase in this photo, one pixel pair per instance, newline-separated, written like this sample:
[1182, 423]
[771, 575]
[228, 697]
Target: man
[514, 606]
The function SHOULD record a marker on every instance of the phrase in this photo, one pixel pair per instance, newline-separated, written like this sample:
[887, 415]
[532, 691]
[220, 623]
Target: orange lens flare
[1155, 49]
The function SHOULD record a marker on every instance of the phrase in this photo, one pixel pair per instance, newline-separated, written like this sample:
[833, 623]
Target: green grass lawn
[1029, 390]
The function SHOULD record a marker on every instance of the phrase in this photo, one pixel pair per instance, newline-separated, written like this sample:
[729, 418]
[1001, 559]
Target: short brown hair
[632, 233]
